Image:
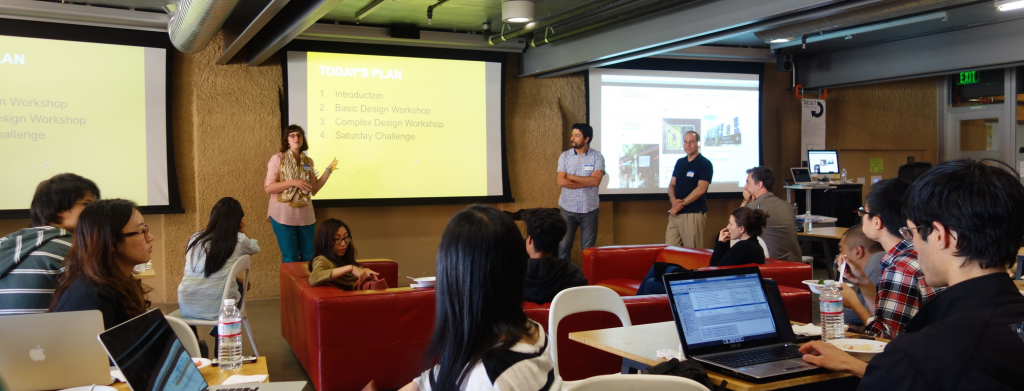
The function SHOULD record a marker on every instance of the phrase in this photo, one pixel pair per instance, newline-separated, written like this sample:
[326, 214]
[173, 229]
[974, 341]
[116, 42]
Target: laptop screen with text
[722, 310]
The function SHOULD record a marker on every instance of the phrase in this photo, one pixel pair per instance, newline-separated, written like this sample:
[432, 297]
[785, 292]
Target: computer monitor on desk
[823, 161]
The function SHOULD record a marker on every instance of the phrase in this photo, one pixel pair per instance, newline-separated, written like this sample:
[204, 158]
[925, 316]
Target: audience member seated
[31, 259]
[482, 338]
[863, 257]
[902, 288]
[334, 258]
[780, 233]
[111, 238]
[545, 274]
[911, 171]
[965, 219]
[209, 257]
[746, 225]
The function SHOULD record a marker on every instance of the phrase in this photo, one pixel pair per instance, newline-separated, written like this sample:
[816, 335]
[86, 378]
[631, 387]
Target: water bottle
[796, 209]
[842, 176]
[807, 222]
[229, 336]
[831, 304]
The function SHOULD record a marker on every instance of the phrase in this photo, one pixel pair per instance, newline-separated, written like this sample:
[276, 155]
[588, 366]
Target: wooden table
[641, 343]
[825, 236]
[149, 273]
[214, 376]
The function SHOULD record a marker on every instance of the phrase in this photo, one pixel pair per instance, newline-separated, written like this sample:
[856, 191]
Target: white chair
[242, 265]
[185, 335]
[637, 383]
[582, 299]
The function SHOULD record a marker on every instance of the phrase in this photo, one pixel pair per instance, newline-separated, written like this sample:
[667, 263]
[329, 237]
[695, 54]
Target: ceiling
[454, 15]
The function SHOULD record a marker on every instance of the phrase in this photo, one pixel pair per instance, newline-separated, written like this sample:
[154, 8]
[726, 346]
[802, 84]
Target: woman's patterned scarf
[291, 169]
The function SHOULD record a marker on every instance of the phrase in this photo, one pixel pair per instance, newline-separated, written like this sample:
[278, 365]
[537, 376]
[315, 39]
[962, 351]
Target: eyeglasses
[908, 233]
[347, 239]
[862, 212]
[144, 231]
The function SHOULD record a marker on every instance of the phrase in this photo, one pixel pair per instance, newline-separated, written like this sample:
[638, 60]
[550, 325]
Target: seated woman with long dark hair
[746, 225]
[482, 339]
[209, 257]
[111, 238]
[334, 257]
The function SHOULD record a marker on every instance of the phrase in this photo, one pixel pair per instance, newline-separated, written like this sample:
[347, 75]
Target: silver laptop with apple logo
[52, 351]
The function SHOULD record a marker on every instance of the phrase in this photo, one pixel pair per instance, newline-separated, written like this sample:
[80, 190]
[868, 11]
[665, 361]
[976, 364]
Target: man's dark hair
[59, 194]
[981, 202]
[764, 175]
[911, 171]
[885, 201]
[588, 132]
[547, 227]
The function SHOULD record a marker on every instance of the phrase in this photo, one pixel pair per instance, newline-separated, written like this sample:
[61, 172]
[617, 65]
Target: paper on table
[241, 379]
[669, 354]
[811, 329]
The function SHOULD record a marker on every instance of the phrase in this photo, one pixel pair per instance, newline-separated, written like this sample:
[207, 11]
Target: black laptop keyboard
[754, 357]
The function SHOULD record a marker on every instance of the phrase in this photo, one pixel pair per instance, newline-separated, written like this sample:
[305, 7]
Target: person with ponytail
[334, 258]
[111, 238]
[209, 257]
[746, 225]
[482, 338]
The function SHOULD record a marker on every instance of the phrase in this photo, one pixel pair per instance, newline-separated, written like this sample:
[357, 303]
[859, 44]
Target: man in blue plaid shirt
[580, 170]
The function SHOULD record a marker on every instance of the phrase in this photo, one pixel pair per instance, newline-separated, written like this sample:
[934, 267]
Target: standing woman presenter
[292, 182]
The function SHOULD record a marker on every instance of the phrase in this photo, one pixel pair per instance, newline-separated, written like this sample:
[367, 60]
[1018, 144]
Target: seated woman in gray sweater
[745, 224]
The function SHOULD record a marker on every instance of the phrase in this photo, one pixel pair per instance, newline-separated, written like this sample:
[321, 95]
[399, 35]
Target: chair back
[185, 335]
[230, 285]
[582, 299]
[637, 383]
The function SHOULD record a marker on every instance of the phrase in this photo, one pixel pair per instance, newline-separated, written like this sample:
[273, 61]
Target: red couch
[622, 267]
[345, 339]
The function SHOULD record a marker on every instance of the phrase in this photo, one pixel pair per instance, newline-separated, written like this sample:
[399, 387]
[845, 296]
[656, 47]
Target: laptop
[152, 358]
[802, 177]
[724, 321]
[40, 351]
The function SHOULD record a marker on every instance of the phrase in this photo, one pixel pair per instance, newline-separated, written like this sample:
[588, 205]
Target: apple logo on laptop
[37, 354]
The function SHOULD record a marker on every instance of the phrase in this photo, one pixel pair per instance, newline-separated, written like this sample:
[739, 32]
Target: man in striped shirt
[580, 170]
[31, 259]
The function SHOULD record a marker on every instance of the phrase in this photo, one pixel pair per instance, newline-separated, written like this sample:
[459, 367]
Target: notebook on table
[725, 322]
[40, 351]
[152, 358]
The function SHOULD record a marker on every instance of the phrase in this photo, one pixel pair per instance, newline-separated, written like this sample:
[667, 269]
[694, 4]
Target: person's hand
[747, 197]
[334, 163]
[849, 296]
[301, 184]
[724, 235]
[855, 275]
[364, 274]
[828, 356]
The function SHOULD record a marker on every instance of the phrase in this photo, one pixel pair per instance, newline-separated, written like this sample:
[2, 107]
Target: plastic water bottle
[831, 304]
[229, 336]
[807, 222]
[842, 176]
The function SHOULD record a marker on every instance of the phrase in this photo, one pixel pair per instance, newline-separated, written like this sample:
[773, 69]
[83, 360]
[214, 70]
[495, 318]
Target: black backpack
[689, 369]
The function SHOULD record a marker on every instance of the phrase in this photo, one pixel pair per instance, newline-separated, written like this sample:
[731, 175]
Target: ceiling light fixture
[1009, 5]
[518, 11]
[780, 40]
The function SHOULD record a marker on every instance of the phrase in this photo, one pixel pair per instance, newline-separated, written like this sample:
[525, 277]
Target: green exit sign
[970, 77]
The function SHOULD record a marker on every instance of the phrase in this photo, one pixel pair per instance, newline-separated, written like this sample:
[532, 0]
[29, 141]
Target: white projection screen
[639, 117]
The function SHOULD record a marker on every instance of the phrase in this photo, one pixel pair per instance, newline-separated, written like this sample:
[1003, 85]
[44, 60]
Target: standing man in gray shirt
[580, 170]
[780, 234]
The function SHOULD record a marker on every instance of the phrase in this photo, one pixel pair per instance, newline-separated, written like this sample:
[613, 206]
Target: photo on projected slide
[636, 111]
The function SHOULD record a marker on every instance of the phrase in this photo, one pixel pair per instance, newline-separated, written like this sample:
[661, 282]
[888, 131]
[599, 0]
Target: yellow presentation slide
[71, 107]
[400, 127]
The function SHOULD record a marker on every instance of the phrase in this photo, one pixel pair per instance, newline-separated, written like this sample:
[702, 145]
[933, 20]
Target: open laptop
[802, 177]
[40, 351]
[724, 321]
[152, 358]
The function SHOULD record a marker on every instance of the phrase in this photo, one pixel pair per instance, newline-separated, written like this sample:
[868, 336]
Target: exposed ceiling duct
[194, 23]
[869, 14]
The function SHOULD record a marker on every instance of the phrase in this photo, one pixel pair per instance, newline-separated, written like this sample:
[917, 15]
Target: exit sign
[970, 77]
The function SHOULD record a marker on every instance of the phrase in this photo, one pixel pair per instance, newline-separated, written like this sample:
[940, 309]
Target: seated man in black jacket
[746, 225]
[545, 274]
[966, 219]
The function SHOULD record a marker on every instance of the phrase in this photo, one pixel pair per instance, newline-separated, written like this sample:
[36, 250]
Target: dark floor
[265, 320]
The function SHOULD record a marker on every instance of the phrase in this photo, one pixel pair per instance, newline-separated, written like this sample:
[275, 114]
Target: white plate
[816, 287]
[201, 362]
[425, 282]
[86, 388]
[861, 349]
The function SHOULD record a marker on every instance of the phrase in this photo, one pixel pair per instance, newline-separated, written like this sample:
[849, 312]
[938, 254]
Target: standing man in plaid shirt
[902, 289]
[580, 170]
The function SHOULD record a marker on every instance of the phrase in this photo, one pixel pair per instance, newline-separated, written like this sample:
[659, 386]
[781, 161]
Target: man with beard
[580, 170]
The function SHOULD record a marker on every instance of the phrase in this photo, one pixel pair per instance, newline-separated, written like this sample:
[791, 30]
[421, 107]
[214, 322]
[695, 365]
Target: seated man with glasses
[901, 289]
[965, 218]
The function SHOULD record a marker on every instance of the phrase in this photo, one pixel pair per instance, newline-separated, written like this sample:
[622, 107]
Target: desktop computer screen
[823, 162]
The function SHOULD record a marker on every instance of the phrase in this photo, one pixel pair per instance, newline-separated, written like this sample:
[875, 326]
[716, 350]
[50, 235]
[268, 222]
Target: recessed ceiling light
[517, 11]
[1009, 5]
[781, 40]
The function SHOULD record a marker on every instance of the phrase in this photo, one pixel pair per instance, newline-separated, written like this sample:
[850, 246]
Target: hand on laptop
[828, 356]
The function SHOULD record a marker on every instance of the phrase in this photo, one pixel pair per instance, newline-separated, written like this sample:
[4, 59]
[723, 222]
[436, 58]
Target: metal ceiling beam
[291, 21]
[41, 11]
[824, 36]
[720, 53]
[686, 22]
[247, 19]
[382, 35]
[373, 6]
[987, 46]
